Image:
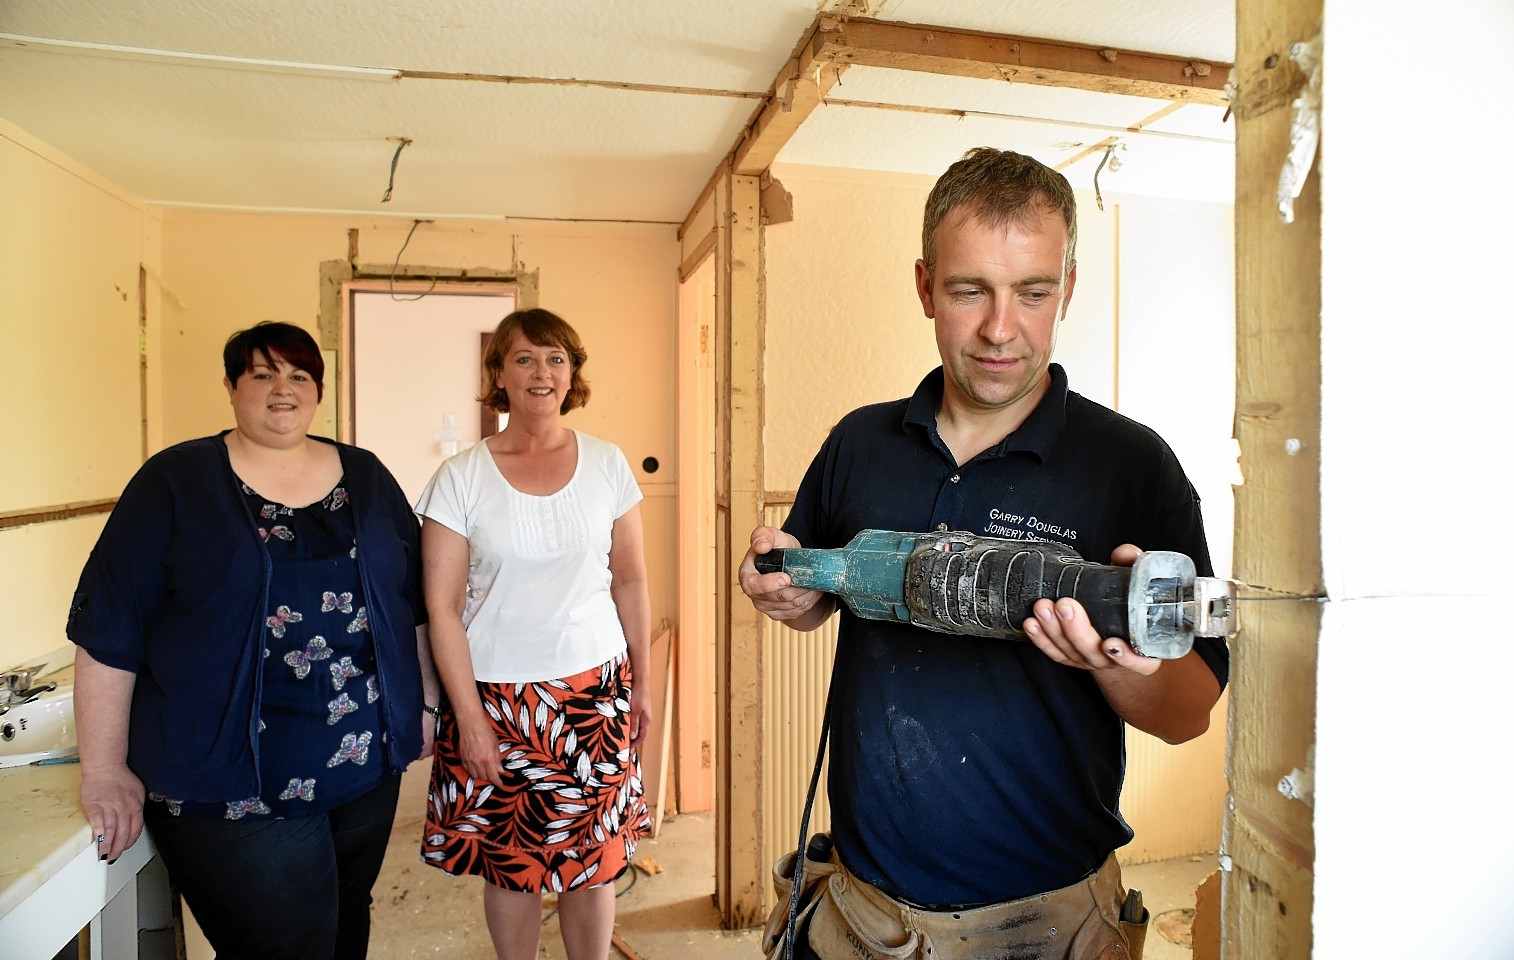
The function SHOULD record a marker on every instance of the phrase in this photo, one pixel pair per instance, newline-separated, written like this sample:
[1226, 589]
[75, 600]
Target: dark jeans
[293, 889]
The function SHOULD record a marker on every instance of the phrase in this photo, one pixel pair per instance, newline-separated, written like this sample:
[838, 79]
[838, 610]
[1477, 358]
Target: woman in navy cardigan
[249, 677]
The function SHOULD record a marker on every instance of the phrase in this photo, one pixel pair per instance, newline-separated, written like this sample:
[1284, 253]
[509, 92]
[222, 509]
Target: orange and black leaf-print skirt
[573, 808]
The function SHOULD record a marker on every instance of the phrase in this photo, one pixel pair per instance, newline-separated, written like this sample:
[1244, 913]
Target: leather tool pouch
[1135, 936]
[817, 872]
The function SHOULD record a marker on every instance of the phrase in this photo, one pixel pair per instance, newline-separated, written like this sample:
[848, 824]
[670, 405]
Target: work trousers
[281, 889]
[853, 920]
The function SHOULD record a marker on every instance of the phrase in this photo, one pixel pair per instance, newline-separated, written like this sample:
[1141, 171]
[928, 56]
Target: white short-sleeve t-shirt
[538, 605]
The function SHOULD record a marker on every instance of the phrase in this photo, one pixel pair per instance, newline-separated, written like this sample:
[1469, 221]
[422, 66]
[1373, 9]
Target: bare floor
[420, 912]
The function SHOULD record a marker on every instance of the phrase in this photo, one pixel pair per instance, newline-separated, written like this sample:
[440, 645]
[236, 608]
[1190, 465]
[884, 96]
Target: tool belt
[849, 919]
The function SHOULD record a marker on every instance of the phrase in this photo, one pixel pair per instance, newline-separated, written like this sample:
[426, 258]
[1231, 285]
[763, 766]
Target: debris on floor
[1175, 926]
[646, 865]
[624, 947]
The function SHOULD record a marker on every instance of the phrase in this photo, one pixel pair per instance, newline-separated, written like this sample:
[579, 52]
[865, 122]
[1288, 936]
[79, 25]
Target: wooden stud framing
[142, 378]
[696, 256]
[1268, 894]
[63, 511]
[733, 191]
[705, 199]
[833, 43]
[739, 346]
[798, 89]
[965, 53]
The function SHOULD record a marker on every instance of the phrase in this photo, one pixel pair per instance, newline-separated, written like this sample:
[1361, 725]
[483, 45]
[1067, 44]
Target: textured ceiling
[186, 130]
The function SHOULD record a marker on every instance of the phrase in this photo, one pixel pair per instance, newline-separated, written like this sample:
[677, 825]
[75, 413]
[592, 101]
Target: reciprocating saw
[963, 583]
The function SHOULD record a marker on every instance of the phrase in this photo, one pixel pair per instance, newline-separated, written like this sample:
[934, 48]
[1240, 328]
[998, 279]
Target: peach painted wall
[1149, 331]
[616, 283]
[844, 326]
[70, 254]
[418, 360]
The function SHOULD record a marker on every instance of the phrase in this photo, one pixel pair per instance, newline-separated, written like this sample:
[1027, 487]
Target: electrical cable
[394, 165]
[630, 871]
[393, 271]
[1108, 152]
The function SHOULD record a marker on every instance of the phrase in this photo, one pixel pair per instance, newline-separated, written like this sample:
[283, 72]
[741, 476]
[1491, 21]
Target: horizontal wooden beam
[988, 56]
[702, 249]
[706, 195]
[798, 89]
[834, 43]
[63, 511]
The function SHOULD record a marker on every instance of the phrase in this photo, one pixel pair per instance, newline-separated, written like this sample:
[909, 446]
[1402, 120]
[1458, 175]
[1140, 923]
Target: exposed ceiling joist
[986, 56]
[798, 89]
[833, 43]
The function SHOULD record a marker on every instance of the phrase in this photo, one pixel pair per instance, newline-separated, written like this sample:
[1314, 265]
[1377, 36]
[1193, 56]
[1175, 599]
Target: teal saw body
[966, 584]
[867, 574]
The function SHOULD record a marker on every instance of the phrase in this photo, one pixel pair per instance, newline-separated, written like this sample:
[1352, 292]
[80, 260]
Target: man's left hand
[1061, 630]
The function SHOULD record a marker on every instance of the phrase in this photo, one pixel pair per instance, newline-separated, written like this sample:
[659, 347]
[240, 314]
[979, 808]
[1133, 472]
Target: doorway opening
[413, 379]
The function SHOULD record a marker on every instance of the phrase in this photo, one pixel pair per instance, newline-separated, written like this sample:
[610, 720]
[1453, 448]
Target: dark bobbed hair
[277, 341]
[545, 329]
[1000, 187]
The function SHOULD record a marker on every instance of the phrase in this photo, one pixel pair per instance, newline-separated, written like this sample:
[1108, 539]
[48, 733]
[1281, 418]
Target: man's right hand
[772, 594]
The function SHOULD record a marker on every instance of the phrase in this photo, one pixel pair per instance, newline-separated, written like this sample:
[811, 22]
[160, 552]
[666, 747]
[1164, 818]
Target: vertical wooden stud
[1268, 890]
[739, 311]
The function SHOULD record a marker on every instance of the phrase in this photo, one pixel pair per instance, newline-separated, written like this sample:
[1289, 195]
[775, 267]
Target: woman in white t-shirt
[540, 626]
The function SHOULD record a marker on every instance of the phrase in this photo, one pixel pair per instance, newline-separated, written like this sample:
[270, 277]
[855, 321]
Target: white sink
[39, 729]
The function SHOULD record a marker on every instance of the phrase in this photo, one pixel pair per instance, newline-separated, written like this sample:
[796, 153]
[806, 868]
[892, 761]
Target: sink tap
[17, 686]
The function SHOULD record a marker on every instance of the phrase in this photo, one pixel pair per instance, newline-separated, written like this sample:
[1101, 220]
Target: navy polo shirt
[969, 770]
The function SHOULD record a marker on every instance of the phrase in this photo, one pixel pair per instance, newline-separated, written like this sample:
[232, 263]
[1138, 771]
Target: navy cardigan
[176, 591]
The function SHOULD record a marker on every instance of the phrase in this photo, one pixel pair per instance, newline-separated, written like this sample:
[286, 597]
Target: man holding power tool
[975, 781]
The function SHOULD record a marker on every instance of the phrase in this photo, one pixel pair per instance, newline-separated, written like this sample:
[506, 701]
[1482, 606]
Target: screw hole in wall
[650, 464]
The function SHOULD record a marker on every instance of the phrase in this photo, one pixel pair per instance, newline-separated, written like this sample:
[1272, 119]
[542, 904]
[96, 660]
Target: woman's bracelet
[434, 711]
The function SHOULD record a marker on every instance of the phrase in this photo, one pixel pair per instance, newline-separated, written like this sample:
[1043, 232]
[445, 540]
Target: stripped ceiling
[537, 109]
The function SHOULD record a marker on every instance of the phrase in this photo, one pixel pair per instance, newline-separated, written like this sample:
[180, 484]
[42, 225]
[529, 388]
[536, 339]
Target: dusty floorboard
[667, 915]
[421, 912]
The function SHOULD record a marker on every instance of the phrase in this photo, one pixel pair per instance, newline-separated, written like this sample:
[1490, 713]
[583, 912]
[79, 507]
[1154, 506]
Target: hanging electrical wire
[394, 270]
[1108, 153]
[393, 165]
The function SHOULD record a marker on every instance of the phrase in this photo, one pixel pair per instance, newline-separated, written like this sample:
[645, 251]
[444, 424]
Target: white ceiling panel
[703, 43]
[182, 132]
[1158, 167]
[921, 143]
[904, 142]
[1197, 120]
[233, 137]
[1189, 28]
[970, 94]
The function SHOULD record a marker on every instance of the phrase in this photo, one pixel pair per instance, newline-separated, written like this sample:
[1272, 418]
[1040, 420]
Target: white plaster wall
[1177, 344]
[1412, 833]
